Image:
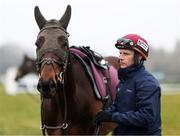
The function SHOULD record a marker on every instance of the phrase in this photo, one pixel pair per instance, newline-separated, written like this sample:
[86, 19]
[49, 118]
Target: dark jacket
[137, 105]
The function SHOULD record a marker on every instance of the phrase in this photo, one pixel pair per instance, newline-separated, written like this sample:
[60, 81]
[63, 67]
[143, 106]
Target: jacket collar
[129, 72]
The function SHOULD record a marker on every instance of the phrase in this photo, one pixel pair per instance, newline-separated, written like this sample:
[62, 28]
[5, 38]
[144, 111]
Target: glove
[103, 116]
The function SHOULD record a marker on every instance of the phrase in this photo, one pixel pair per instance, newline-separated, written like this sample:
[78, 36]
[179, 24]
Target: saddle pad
[100, 76]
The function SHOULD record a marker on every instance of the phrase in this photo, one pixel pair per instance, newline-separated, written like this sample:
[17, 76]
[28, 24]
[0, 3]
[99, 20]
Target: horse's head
[27, 66]
[52, 51]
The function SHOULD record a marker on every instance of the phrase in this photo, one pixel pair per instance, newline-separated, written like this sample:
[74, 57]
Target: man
[137, 105]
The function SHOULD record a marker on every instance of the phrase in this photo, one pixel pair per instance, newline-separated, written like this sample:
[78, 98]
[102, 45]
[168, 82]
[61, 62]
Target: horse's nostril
[46, 86]
[52, 85]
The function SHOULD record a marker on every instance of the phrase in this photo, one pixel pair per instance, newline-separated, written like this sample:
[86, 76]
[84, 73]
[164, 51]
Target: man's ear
[140, 57]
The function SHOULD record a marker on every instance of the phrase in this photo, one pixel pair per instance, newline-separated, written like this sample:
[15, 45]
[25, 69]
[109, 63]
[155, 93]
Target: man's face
[126, 58]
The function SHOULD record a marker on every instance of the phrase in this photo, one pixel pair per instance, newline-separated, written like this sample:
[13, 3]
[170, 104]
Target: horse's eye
[63, 42]
[39, 42]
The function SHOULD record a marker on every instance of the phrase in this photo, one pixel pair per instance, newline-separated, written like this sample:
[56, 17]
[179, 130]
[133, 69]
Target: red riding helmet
[135, 42]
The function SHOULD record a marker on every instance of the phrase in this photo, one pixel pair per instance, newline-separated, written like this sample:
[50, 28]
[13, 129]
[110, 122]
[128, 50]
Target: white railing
[170, 88]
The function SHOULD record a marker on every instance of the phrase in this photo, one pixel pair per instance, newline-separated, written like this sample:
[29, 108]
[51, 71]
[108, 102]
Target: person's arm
[111, 108]
[148, 105]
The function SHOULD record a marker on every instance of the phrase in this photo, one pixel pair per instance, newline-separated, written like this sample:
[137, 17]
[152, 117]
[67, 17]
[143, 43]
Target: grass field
[170, 111]
[20, 114]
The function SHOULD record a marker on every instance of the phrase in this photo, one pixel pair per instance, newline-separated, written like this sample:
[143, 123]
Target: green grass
[170, 111]
[20, 114]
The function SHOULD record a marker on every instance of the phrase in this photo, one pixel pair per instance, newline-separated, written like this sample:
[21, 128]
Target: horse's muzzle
[46, 88]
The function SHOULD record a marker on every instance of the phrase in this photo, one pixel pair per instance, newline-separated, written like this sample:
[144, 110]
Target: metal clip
[61, 77]
[65, 125]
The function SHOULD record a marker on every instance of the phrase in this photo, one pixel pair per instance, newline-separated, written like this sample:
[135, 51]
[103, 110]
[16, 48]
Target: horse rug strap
[103, 77]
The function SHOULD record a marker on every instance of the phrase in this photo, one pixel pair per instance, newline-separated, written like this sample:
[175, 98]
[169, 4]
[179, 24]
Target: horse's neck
[74, 74]
[51, 112]
[70, 72]
[78, 85]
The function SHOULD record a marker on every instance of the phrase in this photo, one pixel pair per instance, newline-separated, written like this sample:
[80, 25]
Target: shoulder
[146, 79]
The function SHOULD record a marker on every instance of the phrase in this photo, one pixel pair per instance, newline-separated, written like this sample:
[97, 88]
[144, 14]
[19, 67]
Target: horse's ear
[26, 57]
[64, 21]
[39, 17]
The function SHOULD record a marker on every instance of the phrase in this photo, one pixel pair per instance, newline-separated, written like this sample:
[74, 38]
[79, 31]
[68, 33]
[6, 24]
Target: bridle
[51, 61]
[59, 77]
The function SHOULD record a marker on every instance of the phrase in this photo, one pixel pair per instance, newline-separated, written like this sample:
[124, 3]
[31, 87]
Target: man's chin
[123, 66]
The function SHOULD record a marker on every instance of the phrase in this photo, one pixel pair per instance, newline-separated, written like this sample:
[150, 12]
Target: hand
[103, 116]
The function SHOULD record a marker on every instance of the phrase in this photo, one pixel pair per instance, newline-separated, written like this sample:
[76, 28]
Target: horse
[27, 66]
[68, 102]
[113, 60]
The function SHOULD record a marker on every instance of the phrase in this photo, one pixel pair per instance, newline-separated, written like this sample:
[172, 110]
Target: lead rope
[99, 124]
[62, 82]
[65, 111]
[42, 123]
[104, 101]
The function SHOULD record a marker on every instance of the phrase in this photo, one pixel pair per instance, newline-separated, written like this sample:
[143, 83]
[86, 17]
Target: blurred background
[94, 23]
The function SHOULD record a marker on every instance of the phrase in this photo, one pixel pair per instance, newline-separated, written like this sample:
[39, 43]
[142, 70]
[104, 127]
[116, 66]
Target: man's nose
[121, 57]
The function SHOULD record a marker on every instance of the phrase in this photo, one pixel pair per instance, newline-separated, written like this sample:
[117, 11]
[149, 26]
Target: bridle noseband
[51, 61]
[60, 83]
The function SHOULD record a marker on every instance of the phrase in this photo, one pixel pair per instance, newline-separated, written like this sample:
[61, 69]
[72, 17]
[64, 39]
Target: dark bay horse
[68, 103]
[27, 66]
[113, 60]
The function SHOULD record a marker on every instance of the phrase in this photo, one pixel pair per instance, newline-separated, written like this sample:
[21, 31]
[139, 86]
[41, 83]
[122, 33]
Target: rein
[60, 80]
[44, 126]
[59, 83]
[64, 125]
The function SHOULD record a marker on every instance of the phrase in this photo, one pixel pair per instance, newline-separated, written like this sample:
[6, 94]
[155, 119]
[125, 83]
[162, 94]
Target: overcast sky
[95, 23]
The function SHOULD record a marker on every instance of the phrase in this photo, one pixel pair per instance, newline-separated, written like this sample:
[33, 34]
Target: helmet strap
[136, 59]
